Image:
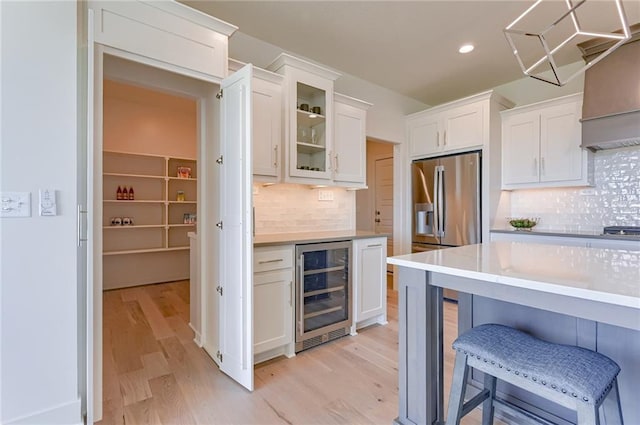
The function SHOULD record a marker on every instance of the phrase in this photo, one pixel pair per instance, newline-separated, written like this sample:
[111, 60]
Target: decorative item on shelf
[180, 196]
[127, 221]
[189, 218]
[116, 221]
[314, 136]
[131, 196]
[316, 110]
[125, 193]
[522, 36]
[304, 107]
[184, 172]
[525, 224]
[119, 195]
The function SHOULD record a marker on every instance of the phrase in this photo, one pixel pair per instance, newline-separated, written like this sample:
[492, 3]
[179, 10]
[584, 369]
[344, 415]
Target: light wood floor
[155, 374]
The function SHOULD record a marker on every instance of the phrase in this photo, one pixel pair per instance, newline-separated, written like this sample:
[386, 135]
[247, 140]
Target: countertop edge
[584, 235]
[305, 238]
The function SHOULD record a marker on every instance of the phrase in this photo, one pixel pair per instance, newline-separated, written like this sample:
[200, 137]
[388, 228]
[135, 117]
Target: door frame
[208, 146]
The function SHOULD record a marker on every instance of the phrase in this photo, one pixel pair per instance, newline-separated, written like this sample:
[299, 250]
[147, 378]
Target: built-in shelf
[155, 182]
[145, 251]
[309, 148]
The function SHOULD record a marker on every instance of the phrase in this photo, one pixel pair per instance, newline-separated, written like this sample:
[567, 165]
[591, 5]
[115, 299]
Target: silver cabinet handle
[300, 287]
[535, 166]
[374, 245]
[445, 138]
[437, 138]
[336, 169]
[542, 170]
[277, 260]
[275, 161]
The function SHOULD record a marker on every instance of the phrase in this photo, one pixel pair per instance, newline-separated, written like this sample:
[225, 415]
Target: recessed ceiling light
[466, 48]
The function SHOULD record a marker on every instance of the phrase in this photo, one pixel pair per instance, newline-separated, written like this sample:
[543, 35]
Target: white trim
[200, 18]
[287, 60]
[56, 415]
[351, 101]
[197, 337]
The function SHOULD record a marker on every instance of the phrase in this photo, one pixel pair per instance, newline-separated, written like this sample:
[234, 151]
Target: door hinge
[219, 289]
[219, 355]
[219, 225]
[220, 160]
[219, 94]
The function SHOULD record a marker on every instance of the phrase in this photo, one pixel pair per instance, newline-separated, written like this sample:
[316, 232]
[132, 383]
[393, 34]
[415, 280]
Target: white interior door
[384, 202]
[236, 288]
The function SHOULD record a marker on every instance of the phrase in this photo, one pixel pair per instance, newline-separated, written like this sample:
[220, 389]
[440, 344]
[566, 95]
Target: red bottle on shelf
[119, 195]
[131, 193]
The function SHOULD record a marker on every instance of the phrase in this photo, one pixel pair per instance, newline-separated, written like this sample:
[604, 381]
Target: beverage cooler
[323, 293]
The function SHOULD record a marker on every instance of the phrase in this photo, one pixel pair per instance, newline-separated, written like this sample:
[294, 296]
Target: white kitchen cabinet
[273, 294]
[308, 108]
[168, 32]
[541, 146]
[369, 282]
[452, 127]
[267, 123]
[350, 141]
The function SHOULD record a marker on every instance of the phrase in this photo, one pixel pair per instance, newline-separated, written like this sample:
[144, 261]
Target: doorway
[374, 205]
[170, 237]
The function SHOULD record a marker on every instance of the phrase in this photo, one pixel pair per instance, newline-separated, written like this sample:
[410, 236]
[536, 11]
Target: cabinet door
[370, 278]
[235, 313]
[310, 131]
[267, 128]
[272, 309]
[349, 153]
[520, 148]
[463, 127]
[424, 135]
[560, 152]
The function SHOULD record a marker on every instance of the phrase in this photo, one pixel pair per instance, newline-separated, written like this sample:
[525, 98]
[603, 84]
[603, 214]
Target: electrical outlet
[325, 195]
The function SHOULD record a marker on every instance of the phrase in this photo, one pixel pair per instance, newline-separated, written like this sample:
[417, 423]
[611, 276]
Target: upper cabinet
[349, 154]
[453, 127]
[267, 123]
[324, 133]
[541, 146]
[308, 123]
[168, 32]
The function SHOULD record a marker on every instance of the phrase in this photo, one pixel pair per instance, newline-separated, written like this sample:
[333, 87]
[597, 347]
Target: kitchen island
[574, 295]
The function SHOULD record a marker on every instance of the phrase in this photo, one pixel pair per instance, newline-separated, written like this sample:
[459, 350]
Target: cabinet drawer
[272, 259]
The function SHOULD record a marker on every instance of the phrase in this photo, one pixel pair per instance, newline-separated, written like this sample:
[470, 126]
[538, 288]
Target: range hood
[611, 105]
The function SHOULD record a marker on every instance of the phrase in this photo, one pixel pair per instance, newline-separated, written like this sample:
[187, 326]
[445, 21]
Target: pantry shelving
[159, 222]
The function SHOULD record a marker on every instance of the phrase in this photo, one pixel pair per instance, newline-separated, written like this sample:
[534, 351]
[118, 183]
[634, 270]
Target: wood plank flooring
[155, 374]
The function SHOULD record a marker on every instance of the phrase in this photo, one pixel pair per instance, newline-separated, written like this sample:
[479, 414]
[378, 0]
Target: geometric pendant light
[539, 47]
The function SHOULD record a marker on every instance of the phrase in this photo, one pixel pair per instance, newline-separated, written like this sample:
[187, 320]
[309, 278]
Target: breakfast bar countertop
[313, 237]
[604, 275]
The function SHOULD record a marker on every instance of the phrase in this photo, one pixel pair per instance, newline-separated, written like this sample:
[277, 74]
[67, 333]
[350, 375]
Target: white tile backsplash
[615, 199]
[287, 208]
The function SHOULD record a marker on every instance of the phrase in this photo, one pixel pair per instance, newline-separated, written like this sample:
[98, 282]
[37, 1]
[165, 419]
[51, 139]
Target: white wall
[39, 357]
[385, 119]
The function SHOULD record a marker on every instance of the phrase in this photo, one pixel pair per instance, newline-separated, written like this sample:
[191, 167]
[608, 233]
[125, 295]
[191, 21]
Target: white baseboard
[197, 338]
[63, 414]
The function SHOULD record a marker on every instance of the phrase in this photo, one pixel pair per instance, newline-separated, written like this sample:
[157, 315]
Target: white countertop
[604, 275]
[313, 237]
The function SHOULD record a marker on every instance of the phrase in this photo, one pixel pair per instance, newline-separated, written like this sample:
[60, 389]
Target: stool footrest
[475, 402]
[522, 416]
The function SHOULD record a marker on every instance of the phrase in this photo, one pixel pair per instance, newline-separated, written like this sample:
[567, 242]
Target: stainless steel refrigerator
[446, 203]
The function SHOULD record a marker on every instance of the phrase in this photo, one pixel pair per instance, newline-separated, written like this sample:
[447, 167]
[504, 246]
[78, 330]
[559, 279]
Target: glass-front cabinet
[308, 106]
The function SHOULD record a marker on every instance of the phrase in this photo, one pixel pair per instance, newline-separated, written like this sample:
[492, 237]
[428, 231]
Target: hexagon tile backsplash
[615, 199]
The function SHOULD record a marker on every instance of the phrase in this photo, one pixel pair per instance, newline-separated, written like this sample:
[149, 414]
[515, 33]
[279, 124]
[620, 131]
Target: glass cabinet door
[311, 142]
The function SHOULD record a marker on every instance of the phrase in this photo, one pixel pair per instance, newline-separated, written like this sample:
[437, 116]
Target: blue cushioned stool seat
[571, 376]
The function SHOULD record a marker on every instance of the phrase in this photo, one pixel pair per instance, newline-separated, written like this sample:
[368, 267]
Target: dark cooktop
[622, 230]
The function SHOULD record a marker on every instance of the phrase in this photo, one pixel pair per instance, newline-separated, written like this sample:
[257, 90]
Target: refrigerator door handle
[441, 203]
[436, 203]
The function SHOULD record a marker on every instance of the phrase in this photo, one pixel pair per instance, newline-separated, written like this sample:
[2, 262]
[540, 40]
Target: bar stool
[573, 377]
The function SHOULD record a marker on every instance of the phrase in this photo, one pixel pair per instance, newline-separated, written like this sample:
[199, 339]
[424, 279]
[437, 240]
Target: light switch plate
[15, 204]
[48, 202]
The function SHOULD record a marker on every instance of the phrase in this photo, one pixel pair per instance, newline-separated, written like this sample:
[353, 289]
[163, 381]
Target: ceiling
[412, 47]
